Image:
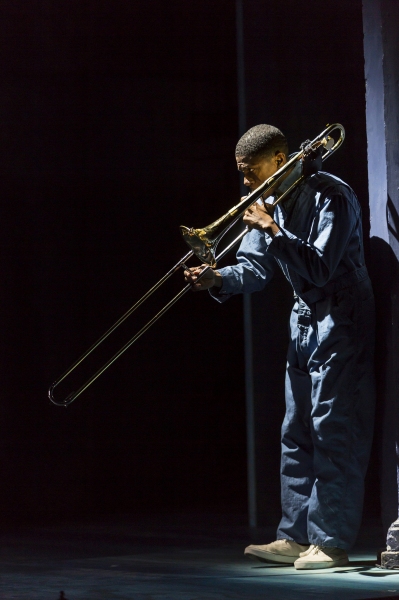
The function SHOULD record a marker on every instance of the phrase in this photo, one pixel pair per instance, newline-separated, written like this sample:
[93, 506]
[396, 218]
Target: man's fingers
[189, 275]
[198, 287]
[192, 277]
[195, 271]
[197, 278]
[192, 273]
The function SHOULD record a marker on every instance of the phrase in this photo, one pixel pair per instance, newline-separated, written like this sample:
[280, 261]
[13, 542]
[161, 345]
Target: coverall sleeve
[254, 270]
[317, 257]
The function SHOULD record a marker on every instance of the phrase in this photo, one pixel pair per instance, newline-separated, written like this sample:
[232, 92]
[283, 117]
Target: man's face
[256, 170]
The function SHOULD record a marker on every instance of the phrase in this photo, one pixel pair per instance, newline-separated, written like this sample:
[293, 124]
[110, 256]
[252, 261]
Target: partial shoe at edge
[280, 551]
[321, 557]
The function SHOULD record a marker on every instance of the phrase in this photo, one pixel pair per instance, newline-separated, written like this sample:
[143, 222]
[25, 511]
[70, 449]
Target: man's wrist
[272, 229]
[218, 280]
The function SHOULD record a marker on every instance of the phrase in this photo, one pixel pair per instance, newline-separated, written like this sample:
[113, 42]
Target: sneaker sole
[270, 558]
[342, 562]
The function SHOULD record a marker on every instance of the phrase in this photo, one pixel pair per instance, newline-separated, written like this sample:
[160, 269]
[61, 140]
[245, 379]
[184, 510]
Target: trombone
[203, 244]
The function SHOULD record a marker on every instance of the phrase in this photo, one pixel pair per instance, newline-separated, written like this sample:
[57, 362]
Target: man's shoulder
[322, 178]
[321, 185]
[324, 183]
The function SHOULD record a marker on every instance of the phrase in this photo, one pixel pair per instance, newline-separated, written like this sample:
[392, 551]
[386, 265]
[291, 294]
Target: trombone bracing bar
[203, 243]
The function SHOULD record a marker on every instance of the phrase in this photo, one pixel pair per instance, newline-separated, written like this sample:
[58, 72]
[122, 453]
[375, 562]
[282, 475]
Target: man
[315, 237]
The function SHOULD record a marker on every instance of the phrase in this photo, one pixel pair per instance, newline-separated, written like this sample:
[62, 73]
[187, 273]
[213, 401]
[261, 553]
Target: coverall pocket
[345, 305]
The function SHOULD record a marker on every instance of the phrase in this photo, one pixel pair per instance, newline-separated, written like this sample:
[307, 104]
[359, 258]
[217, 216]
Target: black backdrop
[118, 123]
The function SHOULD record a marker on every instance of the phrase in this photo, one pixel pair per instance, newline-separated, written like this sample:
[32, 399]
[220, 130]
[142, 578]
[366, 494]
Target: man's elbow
[320, 277]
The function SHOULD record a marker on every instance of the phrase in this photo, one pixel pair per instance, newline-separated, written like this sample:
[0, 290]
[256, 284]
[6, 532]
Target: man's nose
[247, 182]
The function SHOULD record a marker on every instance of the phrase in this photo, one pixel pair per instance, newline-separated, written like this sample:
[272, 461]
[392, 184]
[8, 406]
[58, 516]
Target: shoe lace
[325, 550]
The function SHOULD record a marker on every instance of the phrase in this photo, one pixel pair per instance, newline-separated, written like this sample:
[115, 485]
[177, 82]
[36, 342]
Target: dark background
[118, 123]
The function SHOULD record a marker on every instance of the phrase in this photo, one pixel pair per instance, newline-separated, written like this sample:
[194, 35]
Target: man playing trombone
[315, 236]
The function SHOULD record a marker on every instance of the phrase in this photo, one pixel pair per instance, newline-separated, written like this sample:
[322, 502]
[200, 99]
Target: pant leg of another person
[297, 477]
[343, 395]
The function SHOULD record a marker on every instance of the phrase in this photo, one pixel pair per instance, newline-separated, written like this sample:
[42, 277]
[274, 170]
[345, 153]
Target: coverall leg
[328, 426]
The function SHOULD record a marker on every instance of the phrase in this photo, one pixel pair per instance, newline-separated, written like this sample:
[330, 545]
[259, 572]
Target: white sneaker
[321, 557]
[280, 551]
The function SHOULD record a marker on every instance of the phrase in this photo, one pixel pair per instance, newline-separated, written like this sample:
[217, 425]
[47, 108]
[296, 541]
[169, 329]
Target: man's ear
[280, 159]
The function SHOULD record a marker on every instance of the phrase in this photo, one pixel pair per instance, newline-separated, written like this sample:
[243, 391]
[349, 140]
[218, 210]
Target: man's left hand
[257, 217]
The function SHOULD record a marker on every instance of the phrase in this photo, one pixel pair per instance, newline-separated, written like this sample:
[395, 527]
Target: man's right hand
[210, 279]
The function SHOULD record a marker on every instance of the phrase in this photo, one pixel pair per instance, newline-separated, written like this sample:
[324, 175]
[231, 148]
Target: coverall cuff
[277, 235]
[277, 243]
[229, 285]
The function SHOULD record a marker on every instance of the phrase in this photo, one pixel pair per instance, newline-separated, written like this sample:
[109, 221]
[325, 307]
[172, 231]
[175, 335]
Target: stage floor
[184, 557]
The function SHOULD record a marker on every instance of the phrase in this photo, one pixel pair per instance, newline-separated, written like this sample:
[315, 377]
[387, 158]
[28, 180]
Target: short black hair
[262, 140]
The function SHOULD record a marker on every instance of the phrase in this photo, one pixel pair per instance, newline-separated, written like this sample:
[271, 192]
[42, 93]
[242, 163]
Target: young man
[315, 237]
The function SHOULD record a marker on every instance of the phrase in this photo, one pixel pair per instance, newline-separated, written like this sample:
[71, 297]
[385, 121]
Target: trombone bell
[202, 247]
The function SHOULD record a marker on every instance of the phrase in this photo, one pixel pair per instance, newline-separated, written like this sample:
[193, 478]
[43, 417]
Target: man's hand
[210, 279]
[258, 217]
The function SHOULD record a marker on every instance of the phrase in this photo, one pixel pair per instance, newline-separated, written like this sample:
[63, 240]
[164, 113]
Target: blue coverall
[329, 388]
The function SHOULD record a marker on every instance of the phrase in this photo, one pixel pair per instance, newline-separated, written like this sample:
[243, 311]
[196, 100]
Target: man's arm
[334, 228]
[254, 269]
